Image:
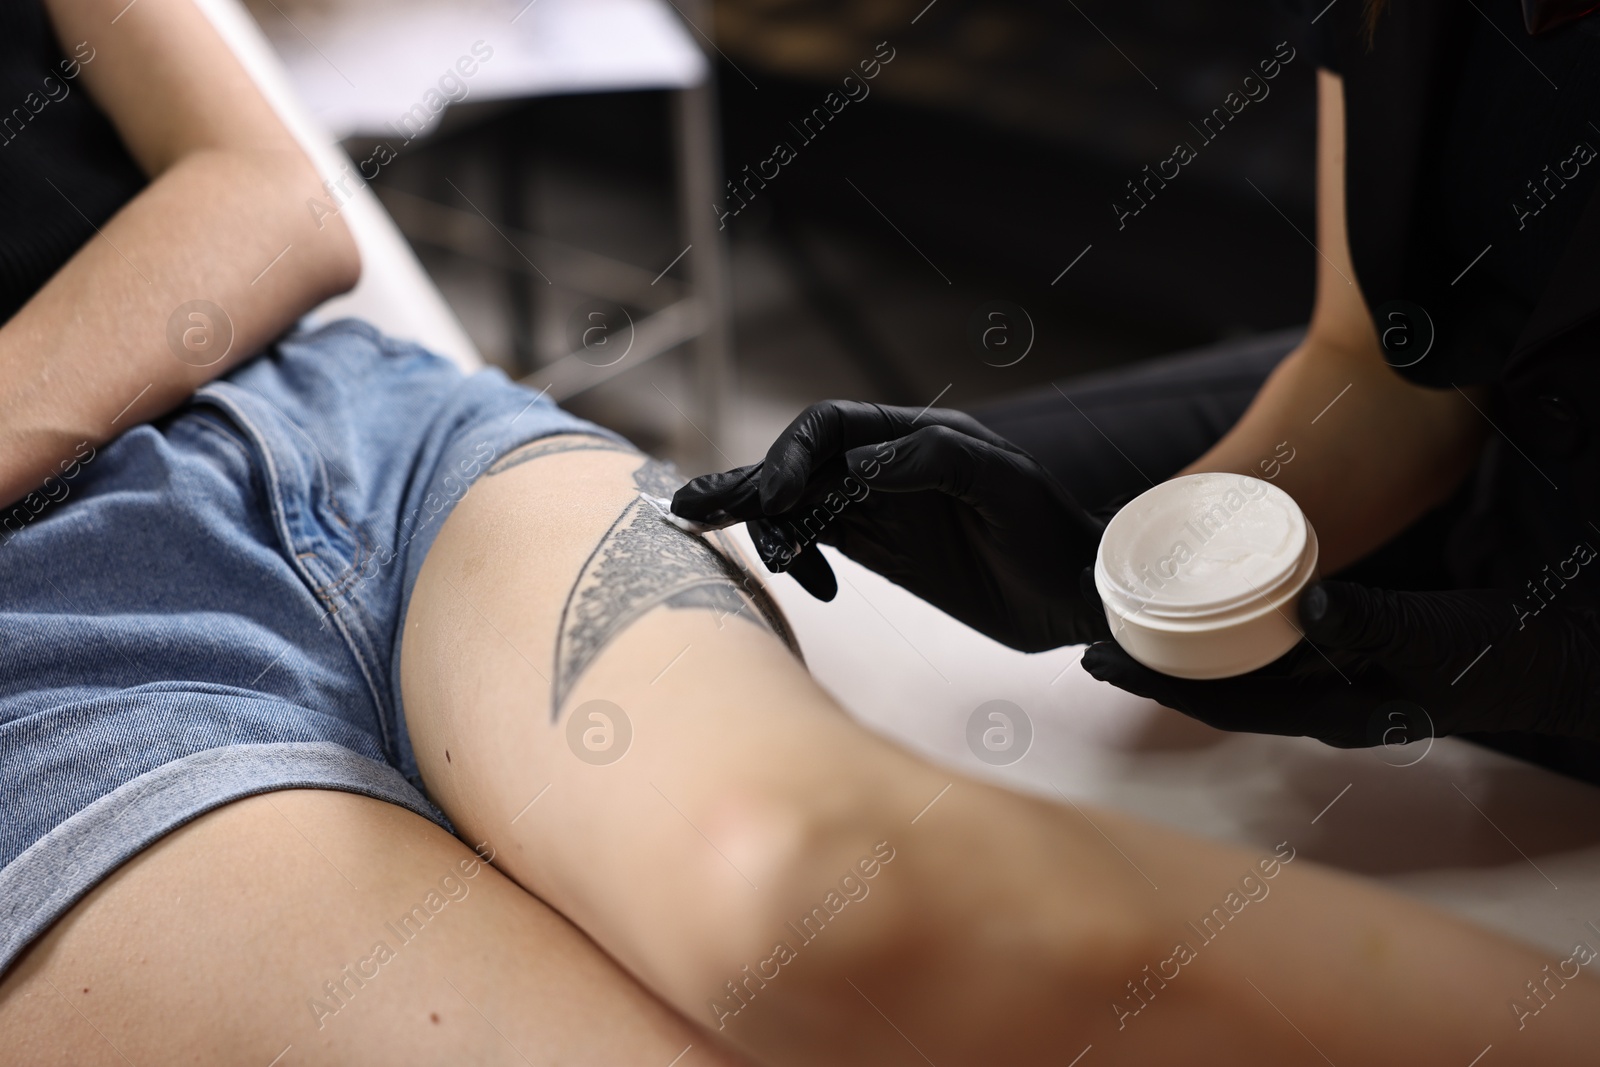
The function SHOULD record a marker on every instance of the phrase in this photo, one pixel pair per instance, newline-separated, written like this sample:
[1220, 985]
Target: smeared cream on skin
[664, 506]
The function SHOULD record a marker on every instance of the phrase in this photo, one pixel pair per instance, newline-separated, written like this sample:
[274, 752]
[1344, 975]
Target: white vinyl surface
[1507, 845]
[360, 67]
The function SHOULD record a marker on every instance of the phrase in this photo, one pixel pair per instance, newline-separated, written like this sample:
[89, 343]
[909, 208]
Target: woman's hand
[931, 500]
[1381, 667]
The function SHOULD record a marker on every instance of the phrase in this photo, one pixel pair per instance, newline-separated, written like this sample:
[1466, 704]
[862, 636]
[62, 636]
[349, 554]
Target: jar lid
[1200, 546]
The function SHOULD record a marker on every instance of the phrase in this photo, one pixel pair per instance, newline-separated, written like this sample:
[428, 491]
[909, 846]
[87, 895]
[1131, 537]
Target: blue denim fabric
[210, 606]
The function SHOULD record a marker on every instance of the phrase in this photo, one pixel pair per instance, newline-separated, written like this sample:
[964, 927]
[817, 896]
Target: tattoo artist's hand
[1381, 667]
[931, 500]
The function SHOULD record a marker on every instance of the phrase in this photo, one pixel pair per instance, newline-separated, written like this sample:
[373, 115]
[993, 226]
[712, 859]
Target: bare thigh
[252, 936]
[587, 691]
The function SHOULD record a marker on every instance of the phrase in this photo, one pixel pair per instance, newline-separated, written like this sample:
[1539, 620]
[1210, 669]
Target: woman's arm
[89, 356]
[1385, 451]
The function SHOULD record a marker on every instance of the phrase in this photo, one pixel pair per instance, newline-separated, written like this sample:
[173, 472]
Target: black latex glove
[931, 500]
[1381, 667]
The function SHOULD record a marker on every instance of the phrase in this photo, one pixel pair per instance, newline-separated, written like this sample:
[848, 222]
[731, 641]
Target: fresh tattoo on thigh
[642, 562]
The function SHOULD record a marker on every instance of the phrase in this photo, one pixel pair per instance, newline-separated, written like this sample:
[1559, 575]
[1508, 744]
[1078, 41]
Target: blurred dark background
[983, 163]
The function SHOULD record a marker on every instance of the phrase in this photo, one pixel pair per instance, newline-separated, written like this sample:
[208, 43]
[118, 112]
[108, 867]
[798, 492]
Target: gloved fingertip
[719, 496]
[1314, 604]
[1099, 659]
[1107, 661]
[692, 507]
[810, 568]
[1327, 612]
[689, 494]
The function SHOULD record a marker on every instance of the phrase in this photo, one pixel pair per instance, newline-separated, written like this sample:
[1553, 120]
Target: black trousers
[1114, 434]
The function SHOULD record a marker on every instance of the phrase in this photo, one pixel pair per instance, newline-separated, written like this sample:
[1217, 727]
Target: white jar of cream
[1200, 575]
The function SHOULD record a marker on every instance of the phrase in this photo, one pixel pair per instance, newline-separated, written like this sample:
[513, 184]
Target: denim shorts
[210, 606]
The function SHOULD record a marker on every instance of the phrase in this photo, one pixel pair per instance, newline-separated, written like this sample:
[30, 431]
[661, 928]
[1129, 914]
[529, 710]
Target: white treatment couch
[1510, 846]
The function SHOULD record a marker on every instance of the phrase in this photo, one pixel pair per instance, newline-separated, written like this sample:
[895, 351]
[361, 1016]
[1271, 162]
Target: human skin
[1372, 451]
[211, 946]
[264, 920]
[1005, 929]
[88, 355]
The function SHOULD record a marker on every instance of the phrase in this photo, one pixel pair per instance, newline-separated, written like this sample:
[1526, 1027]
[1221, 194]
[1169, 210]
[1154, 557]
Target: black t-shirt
[1510, 158]
[63, 169]
[1463, 108]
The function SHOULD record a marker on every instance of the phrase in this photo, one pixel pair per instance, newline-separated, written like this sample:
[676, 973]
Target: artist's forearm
[92, 353]
[1363, 452]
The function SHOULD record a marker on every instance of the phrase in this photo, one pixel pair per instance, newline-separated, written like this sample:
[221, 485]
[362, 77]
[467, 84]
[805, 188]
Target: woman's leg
[589, 692]
[316, 927]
